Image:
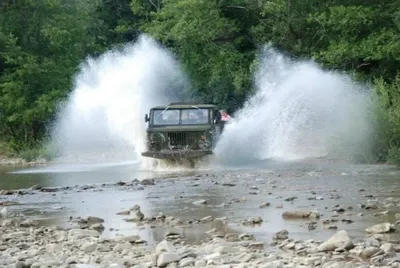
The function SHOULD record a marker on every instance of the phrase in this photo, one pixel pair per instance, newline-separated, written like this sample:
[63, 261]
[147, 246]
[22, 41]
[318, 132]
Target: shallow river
[222, 187]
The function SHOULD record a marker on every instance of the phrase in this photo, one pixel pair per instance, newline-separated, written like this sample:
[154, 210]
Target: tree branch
[239, 7]
[157, 7]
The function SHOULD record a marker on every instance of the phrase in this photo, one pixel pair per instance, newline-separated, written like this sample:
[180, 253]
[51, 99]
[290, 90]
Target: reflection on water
[69, 168]
[174, 193]
[69, 175]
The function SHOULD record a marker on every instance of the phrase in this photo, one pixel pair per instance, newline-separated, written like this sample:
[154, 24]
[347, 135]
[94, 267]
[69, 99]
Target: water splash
[103, 119]
[298, 111]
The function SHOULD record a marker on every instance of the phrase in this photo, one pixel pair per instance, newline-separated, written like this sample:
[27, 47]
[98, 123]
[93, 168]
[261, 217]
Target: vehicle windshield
[194, 116]
[166, 117]
[191, 116]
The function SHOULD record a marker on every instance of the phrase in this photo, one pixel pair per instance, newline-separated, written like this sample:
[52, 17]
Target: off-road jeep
[182, 131]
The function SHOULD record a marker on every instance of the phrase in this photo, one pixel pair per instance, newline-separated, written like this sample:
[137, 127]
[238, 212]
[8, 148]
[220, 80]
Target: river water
[222, 187]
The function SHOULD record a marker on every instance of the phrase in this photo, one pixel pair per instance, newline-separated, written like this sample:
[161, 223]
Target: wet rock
[264, 205]
[339, 210]
[50, 189]
[370, 206]
[382, 213]
[253, 221]
[387, 247]
[29, 223]
[381, 228]
[9, 203]
[93, 220]
[171, 234]
[165, 247]
[8, 192]
[14, 234]
[331, 227]
[347, 220]
[315, 197]
[147, 182]
[300, 214]
[53, 248]
[231, 237]
[229, 184]
[246, 236]
[3, 212]
[338, 240]
[371, 242]
[291, 245]
[207, 219]
[121, 183]
[137, 215]
[281, 235]
[89, 248]
[187, 262]
[212, 256]
[60, 236]
[369, 252]
[199, 202]
[237, 200]
[122, 246]
[226, 250]
[20, 264]
[312, 226]
[256, 245]
[126, 212]
[71, 260]
[292, 198]
[98, 227]
[310, 261]
[200, 263]
[186, 253]
[10, 223]
[79, 233]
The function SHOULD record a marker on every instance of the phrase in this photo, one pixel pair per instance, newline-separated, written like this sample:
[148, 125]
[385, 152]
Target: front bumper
[178, 154]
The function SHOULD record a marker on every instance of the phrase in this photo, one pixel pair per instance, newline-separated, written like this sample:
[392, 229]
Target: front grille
[181, 140]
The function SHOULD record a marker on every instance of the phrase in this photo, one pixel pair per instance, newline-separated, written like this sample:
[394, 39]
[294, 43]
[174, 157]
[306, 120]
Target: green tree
[41, 45]
[207, 43]
[363, 37]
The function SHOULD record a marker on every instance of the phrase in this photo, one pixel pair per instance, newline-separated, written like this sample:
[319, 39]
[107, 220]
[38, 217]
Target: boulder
[381, 228]
[297, 214]
[340, 240]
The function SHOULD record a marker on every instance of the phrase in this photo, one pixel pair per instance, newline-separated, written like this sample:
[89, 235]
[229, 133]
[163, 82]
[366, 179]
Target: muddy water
[231, 192]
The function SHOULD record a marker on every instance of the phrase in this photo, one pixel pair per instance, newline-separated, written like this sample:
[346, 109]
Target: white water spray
[104, 116]
[299, 111]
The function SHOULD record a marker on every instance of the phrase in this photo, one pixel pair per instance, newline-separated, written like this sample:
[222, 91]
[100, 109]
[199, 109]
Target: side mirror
[146, 118]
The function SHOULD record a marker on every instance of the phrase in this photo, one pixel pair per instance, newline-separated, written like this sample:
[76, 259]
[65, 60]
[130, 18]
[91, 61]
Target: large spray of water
[104, 115]
[298, 111]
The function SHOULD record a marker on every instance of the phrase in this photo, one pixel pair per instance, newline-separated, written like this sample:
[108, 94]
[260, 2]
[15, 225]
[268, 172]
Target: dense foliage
[43, 42]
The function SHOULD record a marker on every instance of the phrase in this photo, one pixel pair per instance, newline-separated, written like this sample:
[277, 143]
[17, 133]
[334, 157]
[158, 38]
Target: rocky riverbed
[25, 244]
[298, 217]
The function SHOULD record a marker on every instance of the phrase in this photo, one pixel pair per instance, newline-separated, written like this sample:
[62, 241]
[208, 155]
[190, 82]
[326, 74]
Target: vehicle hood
[179, 128]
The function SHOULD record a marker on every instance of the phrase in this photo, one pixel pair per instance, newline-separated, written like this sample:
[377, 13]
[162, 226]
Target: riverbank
[17, 161]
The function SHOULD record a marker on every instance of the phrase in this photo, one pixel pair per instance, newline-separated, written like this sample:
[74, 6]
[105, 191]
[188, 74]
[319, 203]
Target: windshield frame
[158, 112]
